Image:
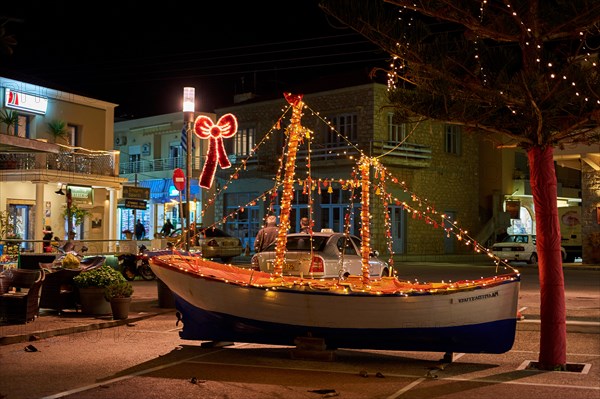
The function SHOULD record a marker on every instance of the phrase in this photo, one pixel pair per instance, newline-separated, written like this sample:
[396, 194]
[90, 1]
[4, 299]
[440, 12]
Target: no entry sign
[179, 179]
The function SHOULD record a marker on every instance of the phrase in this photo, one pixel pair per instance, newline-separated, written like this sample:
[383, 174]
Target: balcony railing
[157, 165]
[415, 155]
[83, 162]
[405, 154]
[168, 164]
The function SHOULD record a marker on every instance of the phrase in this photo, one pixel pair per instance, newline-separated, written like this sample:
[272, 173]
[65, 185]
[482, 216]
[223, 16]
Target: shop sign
[81, 195]
[136, 204]
[136, 192]
[25, 102]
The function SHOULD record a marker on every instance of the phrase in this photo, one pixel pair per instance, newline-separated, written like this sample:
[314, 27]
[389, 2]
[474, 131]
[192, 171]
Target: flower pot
[120, 307]
[93, 302]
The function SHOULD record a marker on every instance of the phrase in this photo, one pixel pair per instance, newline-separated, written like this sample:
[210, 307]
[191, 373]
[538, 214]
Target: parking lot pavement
[144, 304]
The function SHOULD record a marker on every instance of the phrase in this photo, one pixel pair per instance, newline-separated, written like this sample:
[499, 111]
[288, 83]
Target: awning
[171, 191]
[156, 186]
[163, 190]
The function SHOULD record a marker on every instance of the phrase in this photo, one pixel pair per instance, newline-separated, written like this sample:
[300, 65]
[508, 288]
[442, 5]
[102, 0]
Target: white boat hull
[481, 320]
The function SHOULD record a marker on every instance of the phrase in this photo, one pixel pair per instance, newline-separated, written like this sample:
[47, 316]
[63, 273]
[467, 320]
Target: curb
[101, 324]
[586, 327]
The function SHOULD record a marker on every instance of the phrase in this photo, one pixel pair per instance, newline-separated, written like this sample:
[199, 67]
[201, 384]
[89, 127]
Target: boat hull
[481, 320]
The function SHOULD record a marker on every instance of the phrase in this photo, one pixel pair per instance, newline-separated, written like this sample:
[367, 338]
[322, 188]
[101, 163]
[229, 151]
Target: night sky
[142, 57]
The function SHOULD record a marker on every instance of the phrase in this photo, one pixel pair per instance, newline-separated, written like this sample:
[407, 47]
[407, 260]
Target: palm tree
[10, 118]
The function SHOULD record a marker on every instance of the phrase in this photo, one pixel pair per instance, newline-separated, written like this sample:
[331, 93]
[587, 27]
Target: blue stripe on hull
[494, 337]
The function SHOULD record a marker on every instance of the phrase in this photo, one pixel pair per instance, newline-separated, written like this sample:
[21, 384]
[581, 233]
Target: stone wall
[590, 220]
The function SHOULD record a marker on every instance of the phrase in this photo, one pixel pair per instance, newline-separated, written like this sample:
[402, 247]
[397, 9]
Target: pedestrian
[140, 230]
[305, 225]
[167, 228]
[47, 239]
[267, 235]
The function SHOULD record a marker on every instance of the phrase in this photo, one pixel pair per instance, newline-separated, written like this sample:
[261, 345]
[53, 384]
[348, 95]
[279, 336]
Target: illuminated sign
[136, 192]
[136, 204]
[82, 195]
[25, 102]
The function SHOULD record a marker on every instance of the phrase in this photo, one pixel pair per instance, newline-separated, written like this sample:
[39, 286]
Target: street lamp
[189, 99]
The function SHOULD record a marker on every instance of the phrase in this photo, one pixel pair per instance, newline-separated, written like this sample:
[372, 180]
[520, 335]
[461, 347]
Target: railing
[319, 152]
[406, 154]
[157, 165]
[15, 248]
[168, 164]
[65, 161]
[328, 152]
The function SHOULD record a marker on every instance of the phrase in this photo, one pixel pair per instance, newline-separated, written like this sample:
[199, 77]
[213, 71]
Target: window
[242, 218]
[244, 141]
[134, 160]
[73, 136]
[452, 139]
[176, 156]
[396, 131]
[22, 127]
[335, 206]
[347, 127]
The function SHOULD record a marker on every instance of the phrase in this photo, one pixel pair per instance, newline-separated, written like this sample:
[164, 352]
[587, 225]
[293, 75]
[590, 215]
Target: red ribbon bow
[204, 127]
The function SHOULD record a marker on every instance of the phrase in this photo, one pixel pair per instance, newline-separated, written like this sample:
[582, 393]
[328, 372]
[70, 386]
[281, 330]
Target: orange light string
[294, 131]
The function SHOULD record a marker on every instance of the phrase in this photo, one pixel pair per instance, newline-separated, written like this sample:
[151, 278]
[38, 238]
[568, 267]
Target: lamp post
[69, 215]
[189, 99]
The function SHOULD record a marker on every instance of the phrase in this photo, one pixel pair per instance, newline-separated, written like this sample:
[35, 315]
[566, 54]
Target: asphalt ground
[242, 370]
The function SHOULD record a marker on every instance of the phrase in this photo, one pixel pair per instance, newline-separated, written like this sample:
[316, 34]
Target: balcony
[64, 162]
[155, 165]
[409, 155]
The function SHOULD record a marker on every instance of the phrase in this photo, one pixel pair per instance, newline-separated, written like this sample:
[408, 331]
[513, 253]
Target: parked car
[519, 248]
[332, 255]
[213, 243]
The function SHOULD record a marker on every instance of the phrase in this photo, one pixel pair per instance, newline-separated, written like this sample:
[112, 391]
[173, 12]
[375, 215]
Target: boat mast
[295, 132]
[365, 232]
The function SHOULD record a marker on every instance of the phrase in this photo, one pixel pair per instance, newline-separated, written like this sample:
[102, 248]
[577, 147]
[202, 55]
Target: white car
[333, 255]
[519, 248]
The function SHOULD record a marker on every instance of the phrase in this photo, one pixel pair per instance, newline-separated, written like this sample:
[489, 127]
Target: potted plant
[91, 285]
[10, 119]
[58, 130]
[78, 215]
[119, 296]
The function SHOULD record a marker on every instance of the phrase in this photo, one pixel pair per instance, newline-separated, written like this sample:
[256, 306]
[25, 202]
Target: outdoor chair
[23, 304]
[58, 290]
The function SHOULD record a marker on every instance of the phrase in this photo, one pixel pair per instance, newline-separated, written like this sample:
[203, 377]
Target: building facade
[151, 149]
[433, 164]
[54, 144]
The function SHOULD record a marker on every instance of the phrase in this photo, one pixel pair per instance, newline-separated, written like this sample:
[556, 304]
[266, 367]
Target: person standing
[267, 235]
[140, 230]
[167, 228]
[47, 239]
[305, 225]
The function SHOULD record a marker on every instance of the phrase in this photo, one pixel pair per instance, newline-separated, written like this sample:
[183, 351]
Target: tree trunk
[553, 332]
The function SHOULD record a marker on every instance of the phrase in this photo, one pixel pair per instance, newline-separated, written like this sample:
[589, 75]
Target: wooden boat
[226, 303]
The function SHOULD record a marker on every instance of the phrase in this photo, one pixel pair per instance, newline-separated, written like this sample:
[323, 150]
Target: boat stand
[309, 348]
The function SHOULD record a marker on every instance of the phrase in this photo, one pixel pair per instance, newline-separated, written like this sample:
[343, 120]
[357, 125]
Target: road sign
[179, 179]
[135, 204]
[136, 192]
